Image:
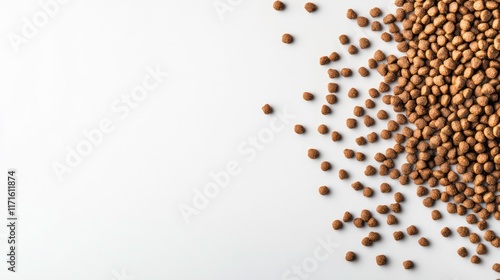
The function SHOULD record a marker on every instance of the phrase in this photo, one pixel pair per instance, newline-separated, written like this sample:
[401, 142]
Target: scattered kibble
[324, 190]
[310, 7]
[267, 109]
[287, 38]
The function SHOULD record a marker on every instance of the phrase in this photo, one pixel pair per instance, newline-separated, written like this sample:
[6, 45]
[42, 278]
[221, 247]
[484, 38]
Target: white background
[117, 213]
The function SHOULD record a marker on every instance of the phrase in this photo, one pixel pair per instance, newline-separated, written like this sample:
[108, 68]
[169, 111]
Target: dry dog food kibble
[287, 38]
[310, 7]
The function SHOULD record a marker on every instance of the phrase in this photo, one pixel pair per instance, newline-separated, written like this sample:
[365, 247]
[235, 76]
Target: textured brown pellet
[408, 264]
[347, 217]
[336, 136]
[344, 39]
[307, 96]
[331, 99]
[481, 249]
[348, 153]
[366, 241]
[325, 110]
[399, 197]
[299, 129]
[324, 60]
[358, 223]
[357, 186]
[382, 209]
[337, 224]
[385, 188]
[496, 267]
[346, 72]
[463, 231]
[287, 38]
[360, 156]
[363, 72]
[436, 215]
[278, 6]
[382, 115]
[350, 256]
[369, 104]
[392, 220]
[267, 109]
[376, 26]
[368, 121]
[412, 230]
[310, 7]
[343, 174]
[462, 252]
[475, 259]
[324, 190]
[364, 43]
[474, 238]
[362, 21]
[353, 93]
[332, 73]
[334, 56]
[381, 260]
[423, 242]
[333, 87]
[323, 129]
[372, 222]
[375, 12]
[351, 14]
[372, 137]
[398, 235]
[351, 123]
[352, 49]
[313, 153]
[374, 236]
[445, 232]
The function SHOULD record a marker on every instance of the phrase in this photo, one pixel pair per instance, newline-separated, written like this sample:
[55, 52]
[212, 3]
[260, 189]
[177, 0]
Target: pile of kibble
[443, 86]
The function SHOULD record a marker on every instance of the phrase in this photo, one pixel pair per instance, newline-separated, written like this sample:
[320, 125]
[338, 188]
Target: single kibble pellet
[372, 222]
[325, 166]
[351, 123]
[369, 104]
[385, 188]
[496, 267]
[337, 224]
[398, 235]
[267, 109]
[360, 156]
[399, 197]
[412, 230]
[333, 87]
[347, 217]
[366, 241]
[376, 26]
[334, 56]
[325, 110]
[310, 7]
[307, 96]
[352, 49]
[362, 21]
[408, 264]
[336, 136]
[423, 242]
[357, 186]
[471, 219]
[351, 14]
[299, 129]
[348, 153]
[346, 72]
[287, 38]
[358, 223]
[428, 202]
[343, 174]
[352, 93]
[375, 12]
[350, 256]
[481, 249]
[445, 232]
[374, 236]
[474, 238]
[382, 115]
[278, 6]
[360, 141]
[381, 260]
[475, 259]
[372, 137]
[324, 60]
[370, 170]
[392, 220]
[382, 209]
[436, 215]
[322, 129]
[344, 39]
[368, 121]
[462, 252]
[364, 43]
[489, 235]
[313, 153]
[395, 207]
[331, 99]
[324, 190]
[363, 72]
[365, 215]
[358, 111]
[332, 73]
[463, 231]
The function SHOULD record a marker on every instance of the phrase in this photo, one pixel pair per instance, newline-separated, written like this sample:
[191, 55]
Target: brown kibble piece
[307, 96]
[462, 252]
[475, 259]
[325, 166]
[324, 190]
[375, 12]
[363, 72]
[313, 153]
[382, 115]
[408, 264]
[344, 39]
[412, 230]
[334, 56]
[347, 217]
[336, 136]
[364, 43]
[310, 7]
[358, 111]
[357, 186]
[370, 170]
[287, 38]
[386, 37]
[362, 21]
[366, 241]
[423, 242]
[496, 267]
[325, 110]
[351, 123]
[365, 215]
[381, 260]
[351, 14]
[324, 60]
[463, 231]
[392, 220]
[323, 129]
[358, 223]
[278, 6]
[299, 129]
[436, 215]
[398, 235]
[399, 197]
[331, 99]
[353, 93]
[337, 224]
[372, 222]
[382, 209]
[385, 188]
[343, 174]
[346, 72]
[348, 153]
[368, 121]
[374, 236]
[352, 49]
[376, 26]
[474, 238]
[360, 156]
[350, 256]
[481, 249]
[368, 192]
[267, 109]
